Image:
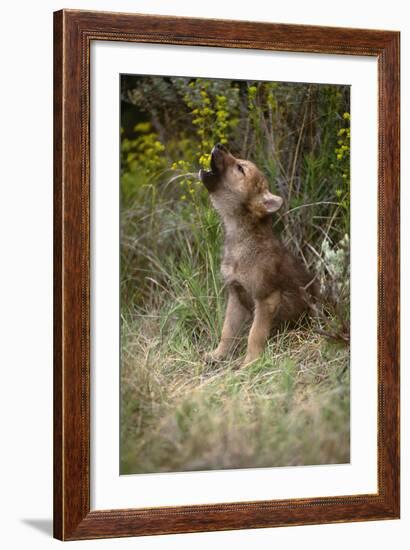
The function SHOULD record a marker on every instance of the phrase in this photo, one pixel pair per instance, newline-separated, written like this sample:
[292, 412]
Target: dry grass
[179, 414]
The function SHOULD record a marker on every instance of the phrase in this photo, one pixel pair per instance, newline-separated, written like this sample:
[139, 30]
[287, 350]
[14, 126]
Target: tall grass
[291, 407]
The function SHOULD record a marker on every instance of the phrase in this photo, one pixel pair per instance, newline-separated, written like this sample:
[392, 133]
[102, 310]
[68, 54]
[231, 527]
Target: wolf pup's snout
[218, 155]
[219, 147]
[210, 178]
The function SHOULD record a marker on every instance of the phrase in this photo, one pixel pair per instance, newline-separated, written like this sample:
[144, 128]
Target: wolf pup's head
[237, 185]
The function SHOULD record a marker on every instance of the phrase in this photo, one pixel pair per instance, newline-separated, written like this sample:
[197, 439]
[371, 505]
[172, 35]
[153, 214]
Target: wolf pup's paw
[249, 359]
[212, 357]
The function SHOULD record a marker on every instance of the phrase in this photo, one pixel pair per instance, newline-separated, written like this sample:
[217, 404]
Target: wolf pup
[265, 281]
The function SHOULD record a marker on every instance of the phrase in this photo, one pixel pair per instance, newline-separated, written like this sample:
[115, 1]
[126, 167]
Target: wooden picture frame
[73, 33]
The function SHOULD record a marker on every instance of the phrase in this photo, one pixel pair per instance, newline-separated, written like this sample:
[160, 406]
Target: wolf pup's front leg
[236, 315]
[265, 311]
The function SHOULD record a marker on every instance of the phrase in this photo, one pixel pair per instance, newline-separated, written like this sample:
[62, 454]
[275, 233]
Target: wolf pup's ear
[271, 203]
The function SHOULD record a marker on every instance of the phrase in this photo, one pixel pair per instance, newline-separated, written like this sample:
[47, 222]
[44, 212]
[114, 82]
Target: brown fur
[264, 280]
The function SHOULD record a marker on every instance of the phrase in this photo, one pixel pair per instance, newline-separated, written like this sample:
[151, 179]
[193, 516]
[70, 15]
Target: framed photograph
[226, 275]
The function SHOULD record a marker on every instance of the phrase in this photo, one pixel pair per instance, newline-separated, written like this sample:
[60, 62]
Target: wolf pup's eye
[240, 168]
